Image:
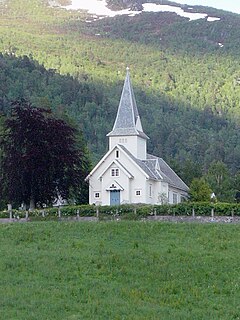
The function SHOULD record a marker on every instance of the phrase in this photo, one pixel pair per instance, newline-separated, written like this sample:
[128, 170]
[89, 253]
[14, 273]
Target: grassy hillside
[125, 270]
[186, 85]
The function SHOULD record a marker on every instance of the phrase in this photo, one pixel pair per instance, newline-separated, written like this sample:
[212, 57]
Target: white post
[193, 212]
[59, 212]
[77, 213]
[97, 212]
[212, 213]
[10, 211]
[32, 205]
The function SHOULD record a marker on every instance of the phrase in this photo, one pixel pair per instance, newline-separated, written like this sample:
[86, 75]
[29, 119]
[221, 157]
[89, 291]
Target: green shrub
[4, 214]
[16, 214]
[129, 211]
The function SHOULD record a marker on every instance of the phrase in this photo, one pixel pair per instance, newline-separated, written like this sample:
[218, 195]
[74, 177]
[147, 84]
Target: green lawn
[119, 270]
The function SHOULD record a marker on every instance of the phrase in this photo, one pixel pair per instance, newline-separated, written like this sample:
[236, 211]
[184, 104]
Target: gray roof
[127, 121]
[168, 174]
[157, 169]
[140, 163]
[152, 165]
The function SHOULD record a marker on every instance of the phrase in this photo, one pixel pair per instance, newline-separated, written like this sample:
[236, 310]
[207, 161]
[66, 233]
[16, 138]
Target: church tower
[127, 129]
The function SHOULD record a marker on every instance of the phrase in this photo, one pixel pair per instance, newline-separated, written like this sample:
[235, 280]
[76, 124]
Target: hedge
[129, 211]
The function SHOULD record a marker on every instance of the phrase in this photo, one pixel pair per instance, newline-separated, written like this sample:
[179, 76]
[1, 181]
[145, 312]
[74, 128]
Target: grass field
[119, 270]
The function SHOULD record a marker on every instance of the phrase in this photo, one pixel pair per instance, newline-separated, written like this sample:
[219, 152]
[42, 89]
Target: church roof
[168, 174]
[127, 121]
[164, 173]
[140, 163]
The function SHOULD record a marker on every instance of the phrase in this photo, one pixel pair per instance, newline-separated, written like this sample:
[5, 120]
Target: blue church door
[114, 197]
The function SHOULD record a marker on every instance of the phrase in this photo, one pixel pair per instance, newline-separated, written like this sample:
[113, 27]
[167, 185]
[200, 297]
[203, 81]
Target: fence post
[77, 214]
[59, 212]
[97, 212]
[26, 215]
[193, 212]
[10, 211]
[212, 212]
[155, 212]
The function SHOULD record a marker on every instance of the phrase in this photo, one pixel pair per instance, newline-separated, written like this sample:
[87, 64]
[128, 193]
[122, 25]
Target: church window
[150, 190]
[122, 140]
[175, 198]
[97, 195]
[115, 172]
[138, 192]
[117, 153]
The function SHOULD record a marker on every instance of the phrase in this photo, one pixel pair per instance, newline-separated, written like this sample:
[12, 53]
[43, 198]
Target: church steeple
[128, 123]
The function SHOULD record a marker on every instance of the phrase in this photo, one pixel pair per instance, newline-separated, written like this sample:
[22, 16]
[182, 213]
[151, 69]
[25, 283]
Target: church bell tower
[127, 129]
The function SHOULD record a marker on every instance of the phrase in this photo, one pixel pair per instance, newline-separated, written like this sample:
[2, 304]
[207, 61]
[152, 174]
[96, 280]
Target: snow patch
[99, 8]
[152, 7]
[96, 7]
[211, 19]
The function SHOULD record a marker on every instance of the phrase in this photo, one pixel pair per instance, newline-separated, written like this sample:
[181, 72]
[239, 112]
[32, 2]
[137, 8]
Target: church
[127, 173]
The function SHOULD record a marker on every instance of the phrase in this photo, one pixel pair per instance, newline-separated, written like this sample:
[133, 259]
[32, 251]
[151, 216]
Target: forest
[186, 84]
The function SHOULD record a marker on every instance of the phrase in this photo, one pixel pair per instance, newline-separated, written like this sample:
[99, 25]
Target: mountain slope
[186, 84]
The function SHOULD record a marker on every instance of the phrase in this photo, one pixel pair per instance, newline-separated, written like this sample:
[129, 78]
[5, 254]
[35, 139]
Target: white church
[127, 173]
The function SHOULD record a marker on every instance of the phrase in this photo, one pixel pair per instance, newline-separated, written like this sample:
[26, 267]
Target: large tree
[42, 157]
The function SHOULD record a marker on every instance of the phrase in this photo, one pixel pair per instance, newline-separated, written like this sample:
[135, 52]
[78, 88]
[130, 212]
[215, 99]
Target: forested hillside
[185, 74]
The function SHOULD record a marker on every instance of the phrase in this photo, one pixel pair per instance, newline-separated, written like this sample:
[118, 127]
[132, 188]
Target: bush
[130, 211]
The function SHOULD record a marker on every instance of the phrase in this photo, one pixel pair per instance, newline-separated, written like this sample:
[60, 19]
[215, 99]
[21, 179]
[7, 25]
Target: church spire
[127, 122]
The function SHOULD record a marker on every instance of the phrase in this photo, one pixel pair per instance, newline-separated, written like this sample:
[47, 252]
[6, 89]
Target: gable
[125, 162]
[116, 164]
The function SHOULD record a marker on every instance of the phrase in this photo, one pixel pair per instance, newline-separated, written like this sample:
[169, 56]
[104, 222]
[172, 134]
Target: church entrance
[114, 197]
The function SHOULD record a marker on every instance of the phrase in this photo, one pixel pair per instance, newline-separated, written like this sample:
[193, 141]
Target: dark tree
[41, 157]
